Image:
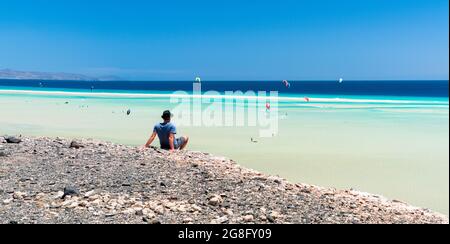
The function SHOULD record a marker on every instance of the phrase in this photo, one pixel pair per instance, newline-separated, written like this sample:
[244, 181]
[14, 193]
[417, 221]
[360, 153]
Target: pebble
[273, 216]
[19, 195]
[90, 195]
[249, 218]
[148, 212]
[228, 212]
[58, 194]
[222, 220]
[182, 208]
[138, 211]
[3, 153]
[8, 201]
[159, 209]
[128, 211]
[73, 205]
[196, 208]
[154, 222]
[215, 200]
[40, 196]
[93, 198]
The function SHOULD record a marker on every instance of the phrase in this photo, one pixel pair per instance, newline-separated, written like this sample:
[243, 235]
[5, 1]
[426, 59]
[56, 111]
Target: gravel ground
[110, 183]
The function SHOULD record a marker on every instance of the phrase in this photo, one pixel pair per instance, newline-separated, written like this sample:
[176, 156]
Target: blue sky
[228, 40]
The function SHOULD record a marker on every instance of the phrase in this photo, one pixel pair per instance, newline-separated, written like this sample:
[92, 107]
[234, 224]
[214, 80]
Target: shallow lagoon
[385, 145]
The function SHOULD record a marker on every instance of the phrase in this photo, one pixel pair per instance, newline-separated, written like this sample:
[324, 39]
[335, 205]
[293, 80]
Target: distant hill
[30, 75]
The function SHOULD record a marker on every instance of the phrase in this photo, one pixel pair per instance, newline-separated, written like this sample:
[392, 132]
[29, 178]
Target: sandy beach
[112, 183]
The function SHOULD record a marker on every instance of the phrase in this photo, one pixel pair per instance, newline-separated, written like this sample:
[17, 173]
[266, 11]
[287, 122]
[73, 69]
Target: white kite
[198, 80]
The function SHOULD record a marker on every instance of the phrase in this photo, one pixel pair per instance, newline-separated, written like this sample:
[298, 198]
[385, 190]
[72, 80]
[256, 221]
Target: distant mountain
[29, 75]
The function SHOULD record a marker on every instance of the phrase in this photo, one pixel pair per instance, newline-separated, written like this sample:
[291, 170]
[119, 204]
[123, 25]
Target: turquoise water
[394, 146]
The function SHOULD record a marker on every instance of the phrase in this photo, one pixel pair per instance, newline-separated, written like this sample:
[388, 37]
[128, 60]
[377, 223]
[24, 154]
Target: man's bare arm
[171, 142]
[150, 140]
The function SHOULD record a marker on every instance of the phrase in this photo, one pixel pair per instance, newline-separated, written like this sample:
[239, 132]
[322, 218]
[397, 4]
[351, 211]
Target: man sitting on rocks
[166, 132]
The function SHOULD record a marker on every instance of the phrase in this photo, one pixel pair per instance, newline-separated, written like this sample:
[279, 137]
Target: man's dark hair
[166, 115]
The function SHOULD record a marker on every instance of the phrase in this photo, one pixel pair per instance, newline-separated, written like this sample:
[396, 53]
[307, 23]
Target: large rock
[76, 145]
[70, 191]
[13, 139]
[3, 153]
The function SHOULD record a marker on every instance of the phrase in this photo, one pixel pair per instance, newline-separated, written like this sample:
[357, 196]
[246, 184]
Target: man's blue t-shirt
[164, 130]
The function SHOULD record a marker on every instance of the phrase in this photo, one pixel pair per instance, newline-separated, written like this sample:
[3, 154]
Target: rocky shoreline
[54, 180]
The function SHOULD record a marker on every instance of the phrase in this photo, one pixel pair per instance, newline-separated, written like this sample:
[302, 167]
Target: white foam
[156, 95]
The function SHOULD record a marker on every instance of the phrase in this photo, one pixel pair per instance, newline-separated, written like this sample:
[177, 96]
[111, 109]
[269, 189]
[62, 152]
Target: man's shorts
[179, 142]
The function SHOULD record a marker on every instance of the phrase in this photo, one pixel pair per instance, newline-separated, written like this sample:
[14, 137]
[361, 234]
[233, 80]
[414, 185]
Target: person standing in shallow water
[166, 132]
